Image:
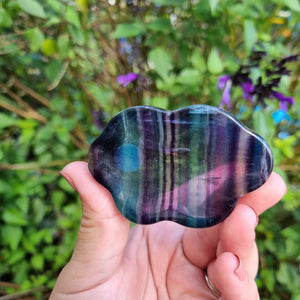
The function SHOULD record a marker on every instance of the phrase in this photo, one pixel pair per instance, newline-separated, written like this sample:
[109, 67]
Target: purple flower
[248, 89]
[222, 80]
[265, 85]
[226, 81]
[226, 95]
[125, 79]
[283, 100]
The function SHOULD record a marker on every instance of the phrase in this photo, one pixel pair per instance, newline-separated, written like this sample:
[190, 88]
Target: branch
[14, 96]
[20, 295]
[24, 114]
[79, 144]
[30, 92]
[30, 113]
[33, 165]
[90, 95]
[289, 167]
[9, 284]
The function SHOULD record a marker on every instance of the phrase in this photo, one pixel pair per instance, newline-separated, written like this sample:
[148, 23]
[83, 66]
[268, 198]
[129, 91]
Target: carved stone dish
[189, 165]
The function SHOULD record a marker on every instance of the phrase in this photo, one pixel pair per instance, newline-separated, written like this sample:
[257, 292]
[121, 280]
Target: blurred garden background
[67, 67]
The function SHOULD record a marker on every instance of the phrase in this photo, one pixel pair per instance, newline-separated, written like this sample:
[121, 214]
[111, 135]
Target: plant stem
[20, 295]
[30, 92]
[33, 165]
[24, 114]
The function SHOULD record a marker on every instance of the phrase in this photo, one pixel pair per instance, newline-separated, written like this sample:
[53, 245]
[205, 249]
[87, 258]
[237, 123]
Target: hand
[163, 260]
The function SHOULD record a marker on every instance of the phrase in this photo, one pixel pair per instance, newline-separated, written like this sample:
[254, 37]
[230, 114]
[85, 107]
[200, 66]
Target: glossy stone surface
[190, 165]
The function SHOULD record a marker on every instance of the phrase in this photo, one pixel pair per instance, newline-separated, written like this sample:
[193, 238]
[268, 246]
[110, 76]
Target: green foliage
[32, 7]
[59, 63]
[161, 61]
[128, 30]
[214, 62]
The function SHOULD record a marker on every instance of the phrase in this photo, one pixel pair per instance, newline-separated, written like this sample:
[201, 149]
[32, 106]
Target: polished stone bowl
[189, 165]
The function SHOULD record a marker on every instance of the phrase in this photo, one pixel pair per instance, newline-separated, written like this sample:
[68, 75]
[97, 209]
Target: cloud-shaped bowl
[189, 165]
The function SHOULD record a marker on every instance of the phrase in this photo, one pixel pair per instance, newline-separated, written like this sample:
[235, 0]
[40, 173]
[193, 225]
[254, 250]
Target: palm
[171, 273]
[163, 260]
[154, 266]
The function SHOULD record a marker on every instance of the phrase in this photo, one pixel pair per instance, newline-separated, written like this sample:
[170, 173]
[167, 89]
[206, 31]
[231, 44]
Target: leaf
[39, 210]
[268, 278]
[198, 61]
[189, 77]
[292, 233]
[286, 145]
[168, 2]
[23, 203]
[5, 18]
[250, 34]
[160, 102]
[37, 261]
[72, 17]
[296, 296]
[63, 45]
[263, 124]
[36, 38]
[287, 275]
[77, 34]
[83, 5]
[53, 69]
[53, 20]
[14, 216]
[11, 235]
[214, 62]
[63, 135]
[48, 47]
[160, 24]
[57, 198]
[292, 4]
[32, 7]
[6, 121]
[56, 5]
[64, 185]
[128, 30]
[161, 62]
[213, 4]
[70, 209]
[16, 256]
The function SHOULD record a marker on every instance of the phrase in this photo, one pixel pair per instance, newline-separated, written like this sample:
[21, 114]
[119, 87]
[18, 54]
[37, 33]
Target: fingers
[237, 235]
[237, 231]
[229, 276]
[199, 245]
[103, 231]
[267, 195]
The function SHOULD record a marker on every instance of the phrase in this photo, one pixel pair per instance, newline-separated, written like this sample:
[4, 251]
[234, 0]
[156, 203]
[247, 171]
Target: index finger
[267, 195]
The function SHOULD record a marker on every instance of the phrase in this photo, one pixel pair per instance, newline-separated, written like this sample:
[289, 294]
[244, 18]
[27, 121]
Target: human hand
[163, 260]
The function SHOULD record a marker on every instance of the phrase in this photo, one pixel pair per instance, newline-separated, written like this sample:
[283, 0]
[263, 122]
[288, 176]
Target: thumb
[103, 231]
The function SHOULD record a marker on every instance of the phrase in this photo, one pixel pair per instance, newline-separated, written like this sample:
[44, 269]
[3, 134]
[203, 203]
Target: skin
[163, 260]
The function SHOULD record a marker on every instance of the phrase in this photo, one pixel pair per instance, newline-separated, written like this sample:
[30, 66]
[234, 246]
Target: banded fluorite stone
[189, 165]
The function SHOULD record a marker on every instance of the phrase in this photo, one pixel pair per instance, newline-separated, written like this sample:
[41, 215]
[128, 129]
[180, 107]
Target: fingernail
[255, 217]
[70, 181]
[239, 270]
